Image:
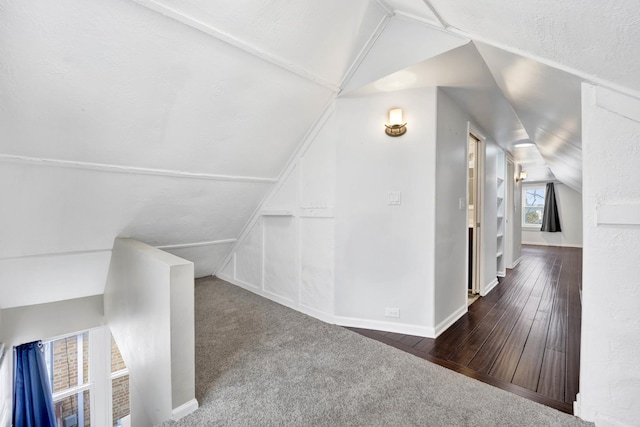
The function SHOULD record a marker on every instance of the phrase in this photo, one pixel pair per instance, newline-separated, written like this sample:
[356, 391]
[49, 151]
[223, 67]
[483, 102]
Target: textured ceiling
[168, 121]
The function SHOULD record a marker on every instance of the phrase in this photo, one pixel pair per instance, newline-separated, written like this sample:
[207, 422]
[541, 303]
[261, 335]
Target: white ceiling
[168, 121]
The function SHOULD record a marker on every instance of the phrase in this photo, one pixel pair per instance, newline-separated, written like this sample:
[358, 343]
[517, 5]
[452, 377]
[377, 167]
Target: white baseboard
[502, 273]
[577, 408]
[314, 312]
[451, 319]
[400, 328]
[184, 409]
[489, 287]
[561, 245]
[515, 263]
[310, 311]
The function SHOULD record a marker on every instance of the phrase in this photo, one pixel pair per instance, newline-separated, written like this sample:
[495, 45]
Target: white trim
[197, 244]
[230, 40]
[57, 254]
[577, 406]
[306, 141]
[619, 104]
[382, 25]
[561, 245]
[302, 308]
[288, 302]
[618, 214]
[184, 409]
[386, 9]
[101, 251]
[313, 312]
[132, 170]
[485, 291]
[435, 13]
[516, 262]
[417, 18]
[502, 273]
[400, 328]
[451, 319]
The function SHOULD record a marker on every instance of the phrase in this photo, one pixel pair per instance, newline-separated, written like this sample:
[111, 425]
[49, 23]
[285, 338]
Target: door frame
[478, 207]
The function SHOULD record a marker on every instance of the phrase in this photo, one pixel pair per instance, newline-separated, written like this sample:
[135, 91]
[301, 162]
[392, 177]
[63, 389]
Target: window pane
[533, 216]
[120, 393]
[73, 410]
[69, 365]
[117, 363]
[534, 197]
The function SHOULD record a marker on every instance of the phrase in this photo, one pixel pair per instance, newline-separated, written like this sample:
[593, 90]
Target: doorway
[474, 177]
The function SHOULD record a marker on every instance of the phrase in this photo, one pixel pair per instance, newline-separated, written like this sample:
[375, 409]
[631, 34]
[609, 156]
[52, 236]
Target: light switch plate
[395, 198]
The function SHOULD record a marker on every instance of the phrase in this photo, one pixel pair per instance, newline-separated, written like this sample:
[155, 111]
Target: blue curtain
[32, 400]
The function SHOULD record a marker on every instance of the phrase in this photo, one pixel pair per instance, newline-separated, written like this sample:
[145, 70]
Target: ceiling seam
[131, 170]
[382, 25]
[197, 244]
[100, 251]
[435, 13]
[237, 43]
[388, 10]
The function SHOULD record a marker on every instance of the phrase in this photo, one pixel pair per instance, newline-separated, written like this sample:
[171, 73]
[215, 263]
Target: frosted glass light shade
[395, 116]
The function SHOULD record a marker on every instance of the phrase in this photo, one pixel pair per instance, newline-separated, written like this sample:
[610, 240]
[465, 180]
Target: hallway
[524, 337]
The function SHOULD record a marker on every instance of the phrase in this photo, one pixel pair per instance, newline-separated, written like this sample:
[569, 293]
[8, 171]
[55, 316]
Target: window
[532, 206]
[119, 387]
[68, 368]
[76, 381]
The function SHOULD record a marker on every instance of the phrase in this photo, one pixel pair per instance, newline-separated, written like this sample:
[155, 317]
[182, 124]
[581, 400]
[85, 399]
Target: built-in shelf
[501, 209]
[276, 213]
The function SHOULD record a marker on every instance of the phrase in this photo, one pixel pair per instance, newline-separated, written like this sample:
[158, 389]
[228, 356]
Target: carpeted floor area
[261, 364]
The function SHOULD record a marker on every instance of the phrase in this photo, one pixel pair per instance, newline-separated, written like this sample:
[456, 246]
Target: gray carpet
[261, 364]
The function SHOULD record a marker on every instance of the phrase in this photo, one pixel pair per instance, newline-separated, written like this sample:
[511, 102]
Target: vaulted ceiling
[169, 121]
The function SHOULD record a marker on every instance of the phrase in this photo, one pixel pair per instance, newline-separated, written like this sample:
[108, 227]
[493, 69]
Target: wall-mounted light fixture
[522, 176]
[395, 127]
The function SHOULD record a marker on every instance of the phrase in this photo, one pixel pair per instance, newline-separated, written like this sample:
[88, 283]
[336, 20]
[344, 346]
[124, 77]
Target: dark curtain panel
[32, 400]
[550, 218]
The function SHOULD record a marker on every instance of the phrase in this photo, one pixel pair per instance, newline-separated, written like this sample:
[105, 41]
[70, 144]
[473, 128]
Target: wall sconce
[395, 126]
[522, 176]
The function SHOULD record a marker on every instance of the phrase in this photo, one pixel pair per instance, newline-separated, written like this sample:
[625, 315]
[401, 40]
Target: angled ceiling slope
[157, 120]
[404, 42]
[548, 103]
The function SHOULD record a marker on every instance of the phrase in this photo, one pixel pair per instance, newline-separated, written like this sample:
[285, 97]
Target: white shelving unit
[500, 192]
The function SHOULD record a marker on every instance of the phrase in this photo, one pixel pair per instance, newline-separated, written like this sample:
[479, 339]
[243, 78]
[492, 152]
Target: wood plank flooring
[523, 337]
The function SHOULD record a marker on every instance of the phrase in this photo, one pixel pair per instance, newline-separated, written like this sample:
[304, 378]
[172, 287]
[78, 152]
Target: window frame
[100, 378]
[526, 187]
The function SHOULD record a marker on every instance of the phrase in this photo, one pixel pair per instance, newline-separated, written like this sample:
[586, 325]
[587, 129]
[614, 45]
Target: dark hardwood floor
[524, 337]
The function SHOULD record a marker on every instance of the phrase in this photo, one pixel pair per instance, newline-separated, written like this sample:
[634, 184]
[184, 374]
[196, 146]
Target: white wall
[569, 204]
[286, 253]
[385, 253]
[609, 374]
[327, 243]
[149, 306]
[451, 225]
